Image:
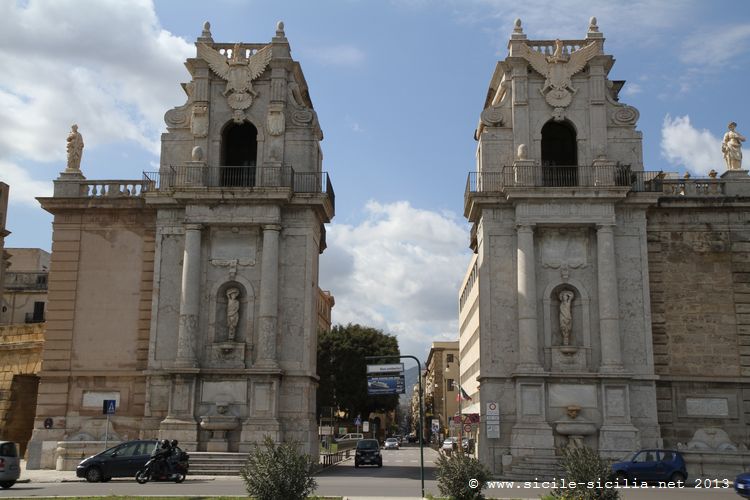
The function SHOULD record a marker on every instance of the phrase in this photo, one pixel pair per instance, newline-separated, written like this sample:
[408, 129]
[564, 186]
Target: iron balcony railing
[34, 317]
[527, 176]
[15, 281]
[238, 177]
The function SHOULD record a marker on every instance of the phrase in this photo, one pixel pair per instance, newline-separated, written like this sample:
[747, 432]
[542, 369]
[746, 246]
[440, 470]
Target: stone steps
[216, 464]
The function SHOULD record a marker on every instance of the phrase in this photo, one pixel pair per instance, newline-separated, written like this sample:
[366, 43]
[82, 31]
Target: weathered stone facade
[605, 305]
[191, 297]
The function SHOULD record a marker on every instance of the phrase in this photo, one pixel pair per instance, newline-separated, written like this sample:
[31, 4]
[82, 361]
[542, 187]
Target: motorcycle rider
[160, 454]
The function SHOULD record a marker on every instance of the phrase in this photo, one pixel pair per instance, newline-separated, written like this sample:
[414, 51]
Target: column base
[612, 369]
[617, 439]
[184, 429]
[255, 431]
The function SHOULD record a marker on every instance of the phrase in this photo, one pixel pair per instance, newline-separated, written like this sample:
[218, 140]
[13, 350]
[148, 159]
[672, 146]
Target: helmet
[174, 443]
[164, 443]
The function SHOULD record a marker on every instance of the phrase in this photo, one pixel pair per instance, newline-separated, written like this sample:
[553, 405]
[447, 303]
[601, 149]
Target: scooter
[175, 469]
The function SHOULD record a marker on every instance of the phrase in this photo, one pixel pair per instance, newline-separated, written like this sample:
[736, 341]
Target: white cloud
[23, 189]
[698, 151]
[335, 55]
[399, 270]
[103, 64]
[632, 88]
[716, 48]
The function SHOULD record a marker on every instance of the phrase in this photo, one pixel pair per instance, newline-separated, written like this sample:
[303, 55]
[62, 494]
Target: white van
[352, 436]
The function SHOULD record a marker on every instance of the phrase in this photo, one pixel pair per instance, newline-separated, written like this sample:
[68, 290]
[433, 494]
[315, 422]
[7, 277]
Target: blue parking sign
[108, 406]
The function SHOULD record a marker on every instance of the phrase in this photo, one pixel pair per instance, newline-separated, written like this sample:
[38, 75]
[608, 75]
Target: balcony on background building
[20, 281]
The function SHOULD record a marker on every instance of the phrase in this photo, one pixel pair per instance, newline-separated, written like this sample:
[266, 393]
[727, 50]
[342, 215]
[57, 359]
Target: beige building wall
[98, 321]
[4, 194]
[469, 331]
[25, 286]
[325, 305]
[441, 384]
[699, 269]
[28, 259]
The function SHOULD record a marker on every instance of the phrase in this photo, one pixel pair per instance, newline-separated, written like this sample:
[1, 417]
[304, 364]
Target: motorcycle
[173, 468]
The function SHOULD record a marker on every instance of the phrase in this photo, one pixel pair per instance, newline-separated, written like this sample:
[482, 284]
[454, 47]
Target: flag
[462, 396]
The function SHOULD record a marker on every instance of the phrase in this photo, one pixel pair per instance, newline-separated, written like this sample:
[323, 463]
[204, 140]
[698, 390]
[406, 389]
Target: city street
[399, 477]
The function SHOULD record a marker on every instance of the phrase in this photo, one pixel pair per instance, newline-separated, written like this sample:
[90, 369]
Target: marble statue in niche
[566, 315]
[233, 312]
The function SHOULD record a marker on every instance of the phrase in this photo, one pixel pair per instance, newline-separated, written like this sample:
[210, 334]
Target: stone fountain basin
[219, 422]
[567, 428]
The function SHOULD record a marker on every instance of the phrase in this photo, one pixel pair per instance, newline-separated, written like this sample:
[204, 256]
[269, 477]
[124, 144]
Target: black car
[368, 452]
[123, 460]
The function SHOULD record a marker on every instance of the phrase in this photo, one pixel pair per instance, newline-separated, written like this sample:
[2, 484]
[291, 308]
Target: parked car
[652, 465]
[742, 484]
[449, 445]
[10, 469]
[123, 460]
[391, 444]
[368, 452]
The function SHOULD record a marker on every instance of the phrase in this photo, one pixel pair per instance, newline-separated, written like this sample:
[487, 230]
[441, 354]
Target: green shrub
[278, 472]
[584, 465]
[454, 474]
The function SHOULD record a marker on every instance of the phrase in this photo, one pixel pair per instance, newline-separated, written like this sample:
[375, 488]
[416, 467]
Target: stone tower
[194, 297]
[555, 308]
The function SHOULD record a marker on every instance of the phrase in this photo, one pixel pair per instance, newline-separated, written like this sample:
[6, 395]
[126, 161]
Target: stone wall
[699, 268]
[20, 362]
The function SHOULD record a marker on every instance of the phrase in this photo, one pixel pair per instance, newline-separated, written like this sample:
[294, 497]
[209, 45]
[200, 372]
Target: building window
[449, 358]
[449, 383]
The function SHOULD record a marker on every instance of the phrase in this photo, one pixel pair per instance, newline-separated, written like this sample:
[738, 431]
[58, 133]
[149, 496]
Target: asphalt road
[399, 477]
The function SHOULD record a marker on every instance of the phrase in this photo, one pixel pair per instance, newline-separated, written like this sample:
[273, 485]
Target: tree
[342, 368]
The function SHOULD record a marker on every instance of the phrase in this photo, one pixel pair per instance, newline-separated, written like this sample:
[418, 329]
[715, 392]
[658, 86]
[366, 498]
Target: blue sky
[398, 87]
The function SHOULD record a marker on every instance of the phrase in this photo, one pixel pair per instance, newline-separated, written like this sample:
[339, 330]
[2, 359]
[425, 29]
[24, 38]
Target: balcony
[592, 176]
[25, 281]
[186, 178]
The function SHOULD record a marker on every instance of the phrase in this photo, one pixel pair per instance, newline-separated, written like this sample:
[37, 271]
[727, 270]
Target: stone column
[190, 297]
[609, 311]
[269, 296]
[528, 337]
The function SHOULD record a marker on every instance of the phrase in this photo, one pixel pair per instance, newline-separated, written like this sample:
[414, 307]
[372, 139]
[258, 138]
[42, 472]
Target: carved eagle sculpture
[239, 71]
[557, 69]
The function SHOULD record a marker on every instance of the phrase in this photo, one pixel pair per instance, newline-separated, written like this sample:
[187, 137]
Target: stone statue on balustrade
[233, 313]
[566, 316]
[731, 147]
[75, 149]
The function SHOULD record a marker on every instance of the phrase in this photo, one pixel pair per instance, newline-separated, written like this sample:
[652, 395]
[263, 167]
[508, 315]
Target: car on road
[123, 460]
[391, 444]
[10, 469]
[742, 485]
[652, 465]
[368, 452]
[449, 445]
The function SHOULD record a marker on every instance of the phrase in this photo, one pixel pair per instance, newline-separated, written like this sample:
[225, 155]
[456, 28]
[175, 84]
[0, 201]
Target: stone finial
[593, 28]
[517, 29]
[197, 154]
[686, 176]
[280, 28]
[206, 33]
[713, 173]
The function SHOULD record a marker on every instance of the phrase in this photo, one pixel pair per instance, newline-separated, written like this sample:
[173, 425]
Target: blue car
[742, 485]
[652, 465]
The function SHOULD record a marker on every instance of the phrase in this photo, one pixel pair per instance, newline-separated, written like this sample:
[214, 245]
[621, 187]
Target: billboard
[385, 384]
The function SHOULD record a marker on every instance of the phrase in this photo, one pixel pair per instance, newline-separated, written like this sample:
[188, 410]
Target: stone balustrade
[547, 47]
[112, 188]
[693, 187]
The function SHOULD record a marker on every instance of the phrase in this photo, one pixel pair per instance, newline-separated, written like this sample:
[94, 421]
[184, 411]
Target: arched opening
[559, 154]
[239, 151]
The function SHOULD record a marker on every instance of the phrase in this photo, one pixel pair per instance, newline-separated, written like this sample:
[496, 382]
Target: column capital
[271, 227]
[192, 226]
[525, 227]
[606, 227]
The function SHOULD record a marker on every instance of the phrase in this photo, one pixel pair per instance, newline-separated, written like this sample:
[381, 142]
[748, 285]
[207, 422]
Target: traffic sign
[358, 420]
[108, 406]
[467, 427]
